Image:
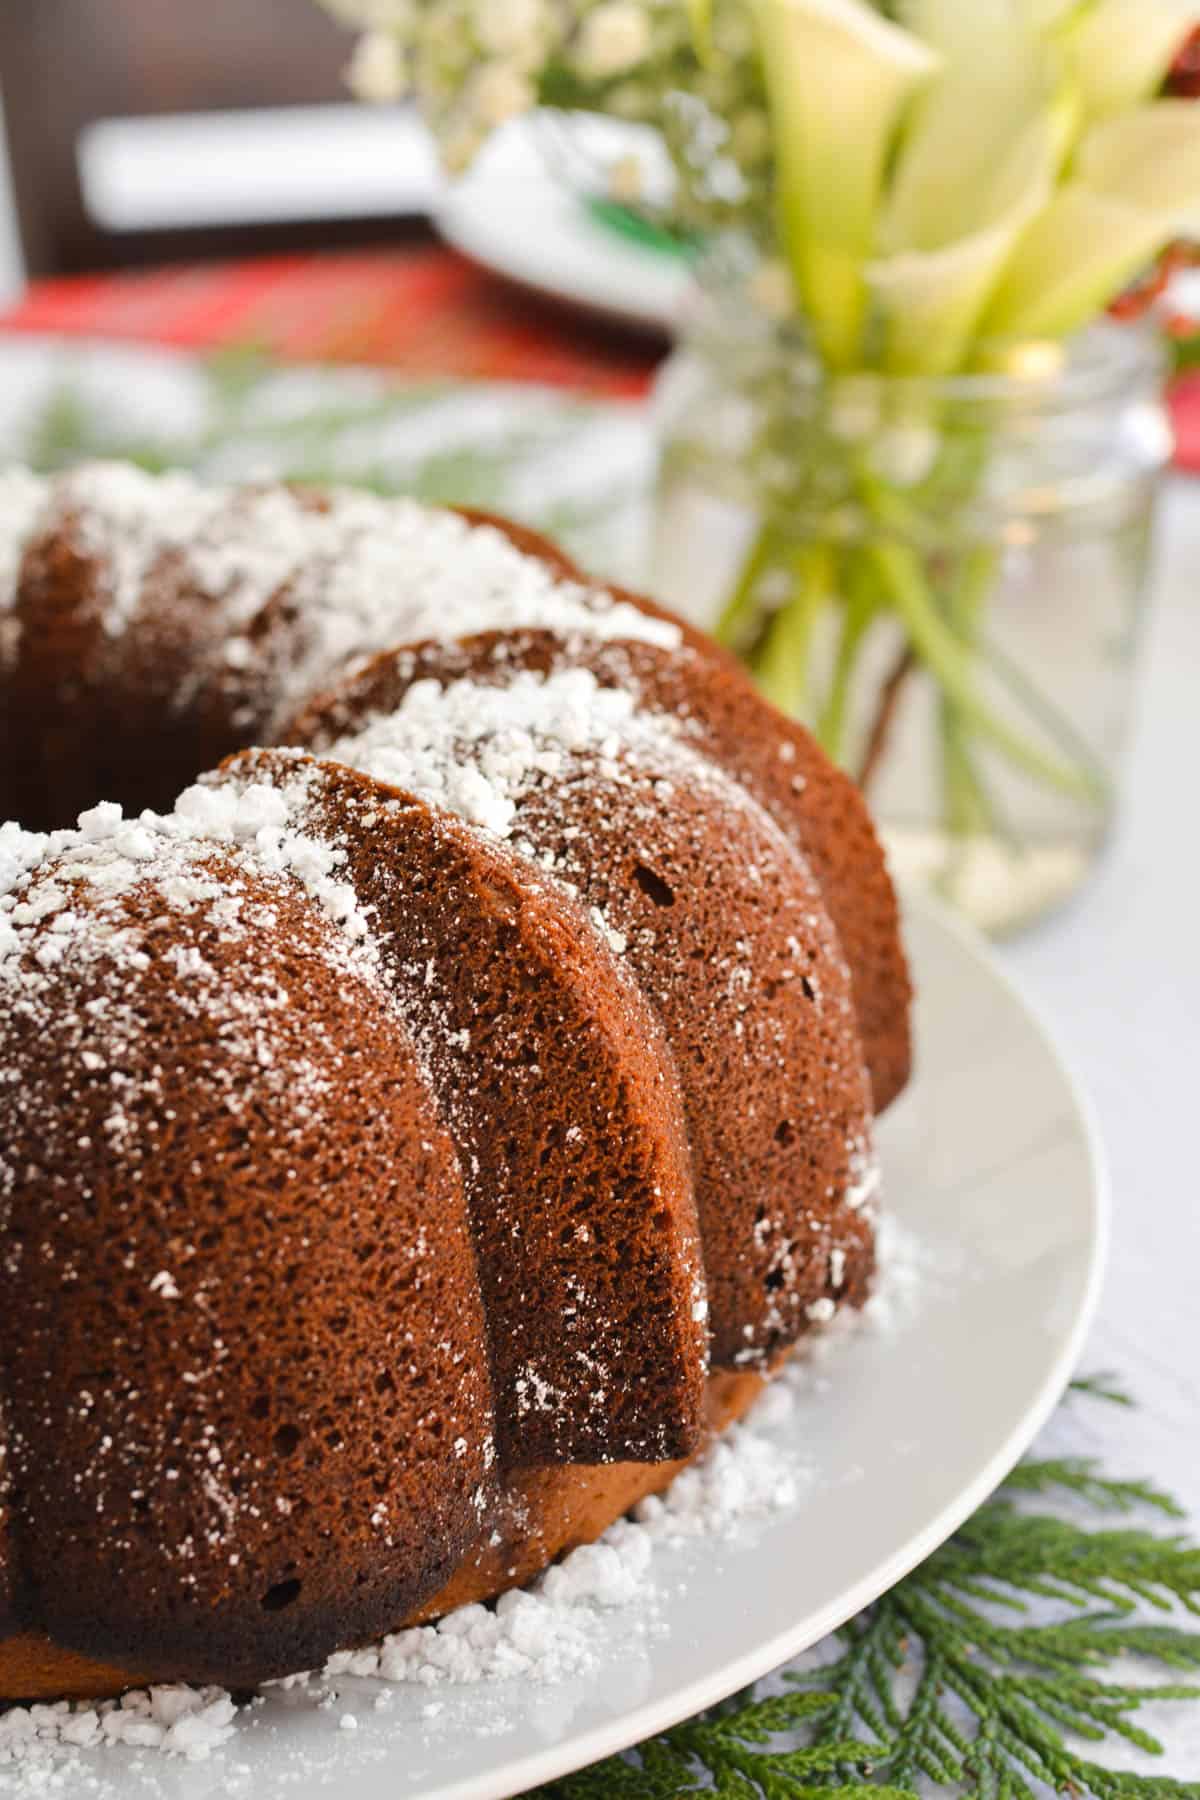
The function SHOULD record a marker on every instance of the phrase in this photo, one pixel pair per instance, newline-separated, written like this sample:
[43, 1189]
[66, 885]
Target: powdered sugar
[477, 748]
[126, 520]
[360, 573]
[110, 855]
[395, 572]
[545, 1633]
[174, 1720]
[79, 916]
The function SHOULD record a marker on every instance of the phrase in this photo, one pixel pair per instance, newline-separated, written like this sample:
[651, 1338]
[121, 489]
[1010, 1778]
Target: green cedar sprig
[949, 1679]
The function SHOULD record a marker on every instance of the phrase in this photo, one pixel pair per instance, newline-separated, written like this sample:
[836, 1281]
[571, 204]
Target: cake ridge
[352, 570]
[426, 951]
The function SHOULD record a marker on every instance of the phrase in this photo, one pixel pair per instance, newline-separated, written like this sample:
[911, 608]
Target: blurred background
[203, 178]
[141, 132]
[179, 130]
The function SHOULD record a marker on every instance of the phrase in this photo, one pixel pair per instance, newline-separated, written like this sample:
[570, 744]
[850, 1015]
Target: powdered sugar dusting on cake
[359, 573]
[174, 1720]
[235, 545]
[548, 1630]
[125, 520]
[559, 1626]
[562, 1382]
[575, 774]
[111, 854]
[478, 749]
[396, 572]
[22, 499]
[65, 917]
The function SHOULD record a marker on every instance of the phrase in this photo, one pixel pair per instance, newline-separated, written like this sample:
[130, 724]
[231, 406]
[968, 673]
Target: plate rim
[462, 220]
[610, 1738]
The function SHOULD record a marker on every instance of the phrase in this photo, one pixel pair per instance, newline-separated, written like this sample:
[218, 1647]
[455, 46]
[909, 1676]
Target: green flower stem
[1054, 723]
[966, 597]
[735, 627]
[967, 804]
[949, 661]
[782, 664]
[860, 610]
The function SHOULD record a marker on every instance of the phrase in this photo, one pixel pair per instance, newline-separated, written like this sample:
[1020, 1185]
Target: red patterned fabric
[423, 311]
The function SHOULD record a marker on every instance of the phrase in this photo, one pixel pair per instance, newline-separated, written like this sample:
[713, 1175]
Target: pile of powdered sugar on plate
[558, 1626]
[176, 1720]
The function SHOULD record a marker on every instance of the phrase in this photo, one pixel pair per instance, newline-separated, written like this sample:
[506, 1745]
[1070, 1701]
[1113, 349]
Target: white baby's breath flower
[510, 28]
[499, 92]
[626, 182]
[772, 291]
[750, 136]
[377, 70]
[854, 409]
[905, 452]
[614, 38]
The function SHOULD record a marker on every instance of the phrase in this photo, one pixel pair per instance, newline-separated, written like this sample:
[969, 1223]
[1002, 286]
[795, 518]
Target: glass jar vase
[945, 578]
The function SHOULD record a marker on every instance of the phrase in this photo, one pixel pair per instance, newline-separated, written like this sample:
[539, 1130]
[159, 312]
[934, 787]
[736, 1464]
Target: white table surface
[1118, 978]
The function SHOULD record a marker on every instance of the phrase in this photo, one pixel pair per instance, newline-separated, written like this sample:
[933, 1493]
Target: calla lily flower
[1120, 50]
[1135, 186]
[838, 77]
[931, 296]
[1045, 15]
[976, 165]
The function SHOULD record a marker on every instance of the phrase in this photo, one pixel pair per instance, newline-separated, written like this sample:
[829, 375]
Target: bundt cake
[418, 1134]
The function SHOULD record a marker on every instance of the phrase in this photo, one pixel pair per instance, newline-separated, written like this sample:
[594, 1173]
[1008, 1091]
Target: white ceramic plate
[991, 1164]
[519, 215]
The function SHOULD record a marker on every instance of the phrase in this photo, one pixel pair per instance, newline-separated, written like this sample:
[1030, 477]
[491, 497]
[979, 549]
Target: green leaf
[1079, 1476]
[1100, 1387]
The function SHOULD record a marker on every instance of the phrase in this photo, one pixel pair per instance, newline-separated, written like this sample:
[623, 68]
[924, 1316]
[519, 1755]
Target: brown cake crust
[82, 701]
[89, 692]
